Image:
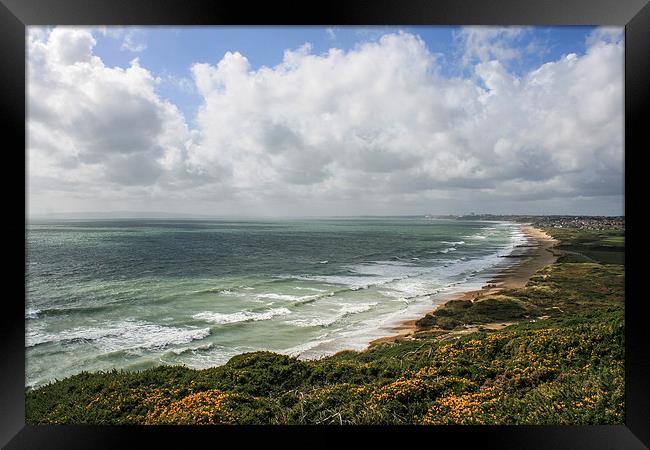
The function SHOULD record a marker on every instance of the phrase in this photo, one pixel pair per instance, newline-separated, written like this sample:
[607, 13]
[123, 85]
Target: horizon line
[115, 215]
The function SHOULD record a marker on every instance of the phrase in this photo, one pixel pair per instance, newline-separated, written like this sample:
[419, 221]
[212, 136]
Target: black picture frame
[16, 14]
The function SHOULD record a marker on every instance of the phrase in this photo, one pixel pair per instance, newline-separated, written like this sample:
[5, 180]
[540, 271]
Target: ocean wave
[194, 349]
[218, 291]
[235, 290]
[300, 348]
[409, 289]
[410, 280]
[120, 336]
[379, 273]
[345, 311]
[291, 298]
[350, 282]
[241, 316]
[385, 273]
[317, 322]
[32, 313]
[300, 288]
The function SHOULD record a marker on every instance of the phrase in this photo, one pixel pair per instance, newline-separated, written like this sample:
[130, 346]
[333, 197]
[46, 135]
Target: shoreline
[433, 379]
[519, 265]
[532, 256]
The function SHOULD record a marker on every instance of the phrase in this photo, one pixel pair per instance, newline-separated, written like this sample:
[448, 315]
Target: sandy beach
[530, 258]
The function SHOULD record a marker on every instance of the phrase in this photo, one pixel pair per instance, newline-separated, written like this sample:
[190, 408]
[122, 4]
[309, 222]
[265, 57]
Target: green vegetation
[577, 245]
[494, 308]
[561, 362]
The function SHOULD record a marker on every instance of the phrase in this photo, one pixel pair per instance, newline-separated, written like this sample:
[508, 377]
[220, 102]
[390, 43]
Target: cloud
[182, 83]
[374, 129]
[69, 46]
[481, 43]
[97, 127]
[133, 41]
[383, 111]
[605, 35]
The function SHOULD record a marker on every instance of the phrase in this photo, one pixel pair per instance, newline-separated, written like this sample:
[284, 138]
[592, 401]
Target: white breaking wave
[296, 350]
[241, 316]
[413, 287]
[182, 350]
[320, 322]
[346, 310]
[406, 282]
[300, 288]
[292, 298]
[32, 313]
[349, 281]
[123, 335]
[370, 274]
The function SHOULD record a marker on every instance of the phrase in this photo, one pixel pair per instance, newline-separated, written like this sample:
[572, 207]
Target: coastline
[531, 257]
[437, 378]
[522, 261]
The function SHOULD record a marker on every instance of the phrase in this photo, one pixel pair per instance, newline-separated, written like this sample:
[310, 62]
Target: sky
[325, 121]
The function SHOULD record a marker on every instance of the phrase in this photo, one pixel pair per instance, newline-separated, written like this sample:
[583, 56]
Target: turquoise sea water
[138, 293]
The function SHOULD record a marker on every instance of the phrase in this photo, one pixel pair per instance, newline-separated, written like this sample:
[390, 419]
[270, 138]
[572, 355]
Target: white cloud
[379, 118]
[133, 41]
[376, 129]
[182, 83]
[605, 35]
[481, 43]
[94, 129]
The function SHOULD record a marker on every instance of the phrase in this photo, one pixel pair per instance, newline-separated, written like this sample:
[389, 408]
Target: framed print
[416, 218]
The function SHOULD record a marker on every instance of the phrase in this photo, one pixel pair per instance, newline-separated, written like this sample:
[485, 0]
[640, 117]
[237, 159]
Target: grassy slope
[561, 363]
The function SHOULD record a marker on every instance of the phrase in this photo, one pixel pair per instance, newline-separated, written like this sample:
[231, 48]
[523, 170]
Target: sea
[134, 294]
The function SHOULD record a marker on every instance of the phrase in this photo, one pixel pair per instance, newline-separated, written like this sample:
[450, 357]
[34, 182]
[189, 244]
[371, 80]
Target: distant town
[579, 222]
